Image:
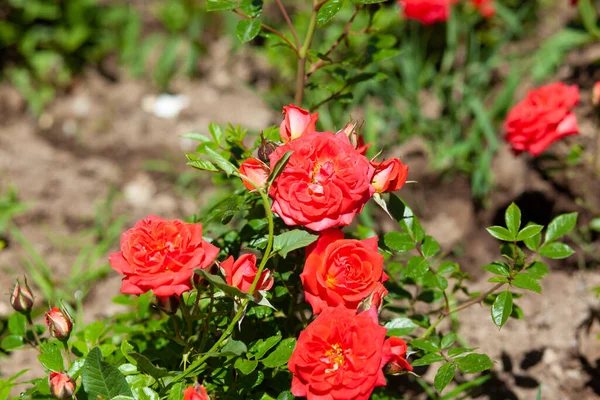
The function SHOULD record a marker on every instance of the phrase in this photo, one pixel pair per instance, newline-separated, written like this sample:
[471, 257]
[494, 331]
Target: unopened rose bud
[350, 131]
[374, 300]
[394, 354]
[297, 122]
[255, 170]
[61, 386]
[167, 304]
[596, 94]
[390, 175]
[265, 149]
[21, 299]
[59, 323]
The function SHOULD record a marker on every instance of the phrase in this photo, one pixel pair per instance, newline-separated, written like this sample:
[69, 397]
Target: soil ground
[99, 138]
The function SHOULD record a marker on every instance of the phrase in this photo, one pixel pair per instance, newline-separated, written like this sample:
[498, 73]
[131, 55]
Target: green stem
[207, 320]
[195, 366]
[35, 335]
[185, 312]
[464, 305]
[301, 72]
[67, 352]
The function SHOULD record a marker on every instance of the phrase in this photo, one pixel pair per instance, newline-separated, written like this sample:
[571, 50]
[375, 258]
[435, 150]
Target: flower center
[334, 358]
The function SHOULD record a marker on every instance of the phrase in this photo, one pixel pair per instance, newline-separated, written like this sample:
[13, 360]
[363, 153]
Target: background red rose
[195, 393]
[426, 11]
[242, 272]
[161, 255]
[341, 271]
[338, 356]
[542, 118]
[325, 183]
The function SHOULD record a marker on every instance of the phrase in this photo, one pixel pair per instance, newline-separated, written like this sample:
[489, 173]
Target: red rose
[341, 271]
[395, 355]
[255, 170]
[296, 123]
[543, 117]
[339, 356]
[390, 175]
[61, 385]
[161, 255]
[426, 11]
[59, 323]
[241, 274]
[325, 183]
[485, 7]
[197, 392]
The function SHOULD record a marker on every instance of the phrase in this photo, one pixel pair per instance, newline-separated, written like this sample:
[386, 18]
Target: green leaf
[447, 267]
[556, 250]
[589, 16]
[537, 269]
[528, 282]
[497, 268]
[533, 243]
[287, 395]
[501, 233]
[405, 217]
[17, 323]
[248, 29]
[51, 356]
[196, 136]
[502, 308]
[428, 359]
[216, 132]
[398, 241]
[220, 5]
[148, 367]
[260, 348]
[444, 376]
[219, 283]
[101, 379]
[474, 363]
[281, 355]
[430, 247]
[279, 167]
[400, 326]
[93, 331]
[234, 348]
[176, 391]
[202, 165]
[368, 1]
[221, 162]
[456, 351]
[512, 217]
[595, 224]
[448, 340]
[328, 11]
[292, 240]
[12, 342]
[417, 266]
[246, 367]
[75, 368]
[426, 345]
[529, 231]
[560, 226]
[498, 279]
[252, 8]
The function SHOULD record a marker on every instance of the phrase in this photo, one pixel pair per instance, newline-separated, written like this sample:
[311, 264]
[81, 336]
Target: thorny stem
[176, 327]
[67, 352]
[195, 366]
[288, 21]
[460, 307]
[272, 30]
[185, 312]
[328, 99]
[207, 320]
[434, 272]
[335, 44]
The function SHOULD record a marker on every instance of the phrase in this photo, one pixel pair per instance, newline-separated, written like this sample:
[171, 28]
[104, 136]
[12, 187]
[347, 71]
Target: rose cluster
[326, 181]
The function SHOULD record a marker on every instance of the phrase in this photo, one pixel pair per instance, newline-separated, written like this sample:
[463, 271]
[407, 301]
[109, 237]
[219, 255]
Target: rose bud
[196, 392]
[390, 175]
[374, 300]
[255, 170]
[265, 149]
[296, 123]
[59, 323]
[167, 304]
[596, 94]
[394, 350]
[242, 272]
[21, 299]
[61, 386]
